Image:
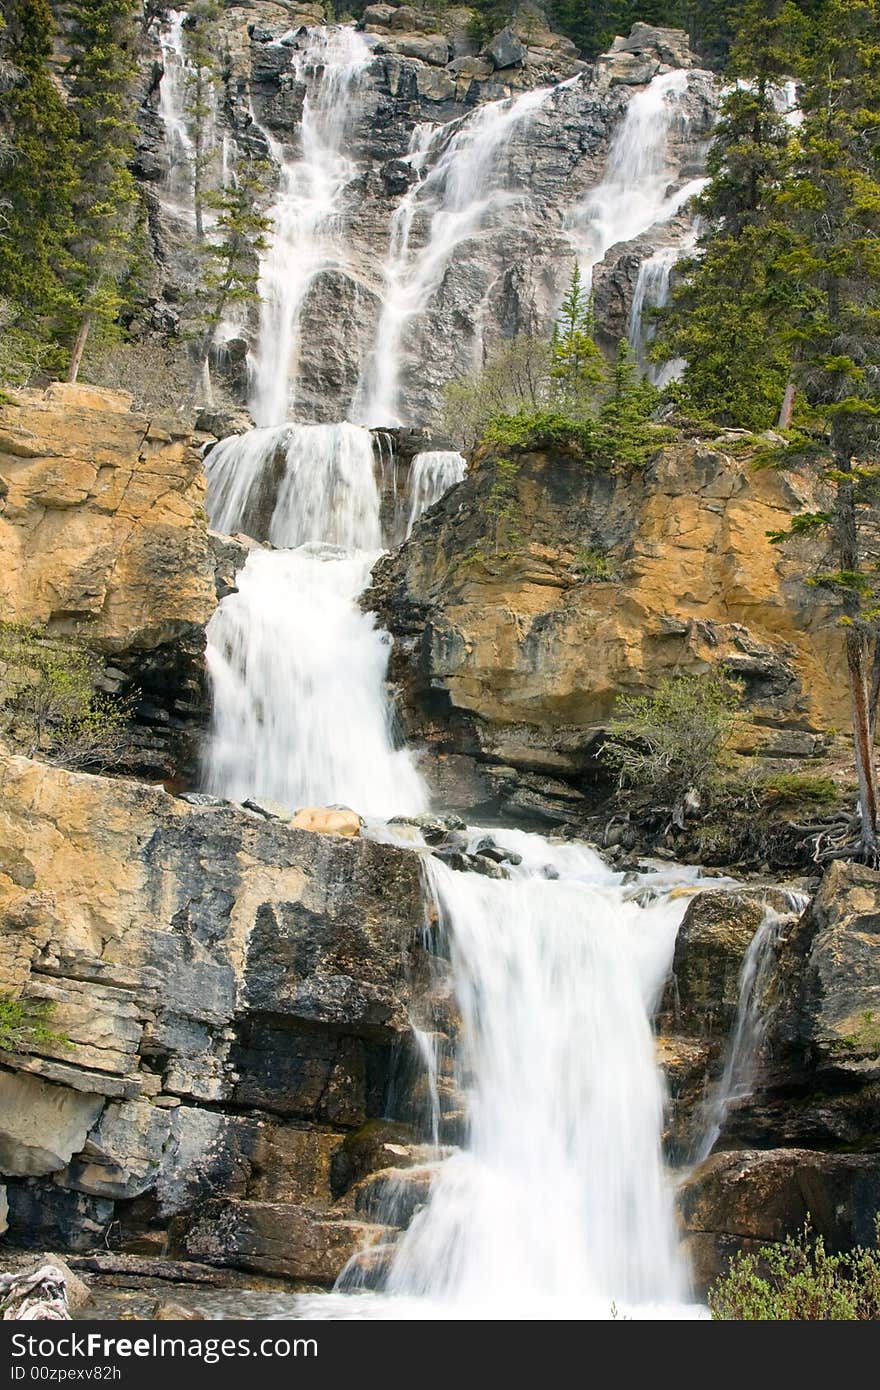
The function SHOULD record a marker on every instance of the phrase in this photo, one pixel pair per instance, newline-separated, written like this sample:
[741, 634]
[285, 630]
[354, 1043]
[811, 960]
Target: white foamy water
[634, 193]
[307, 234]
[559, 1206]
[431, 476]
[463, 190]
[301, 713]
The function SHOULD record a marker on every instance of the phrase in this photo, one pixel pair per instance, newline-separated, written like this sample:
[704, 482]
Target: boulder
[41, 1125]
[672, 46]
[277, 1238]
[829, 980]
[504, 50]
[709, 949]
[326, 820]
[427, 48]
[738, 1200]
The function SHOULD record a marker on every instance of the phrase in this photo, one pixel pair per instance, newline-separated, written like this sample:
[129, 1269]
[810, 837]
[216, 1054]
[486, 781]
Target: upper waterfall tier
[419, 216]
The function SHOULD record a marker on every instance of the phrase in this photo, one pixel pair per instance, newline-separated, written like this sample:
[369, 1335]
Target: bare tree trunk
[874, 692]
[863, 743]
[79, 347]
[787, 407]
[857, 666]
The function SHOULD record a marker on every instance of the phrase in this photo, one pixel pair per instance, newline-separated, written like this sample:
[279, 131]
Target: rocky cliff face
[541, 588]
[104, 536]
[798, 1136]
[532, 179]
[228, 997]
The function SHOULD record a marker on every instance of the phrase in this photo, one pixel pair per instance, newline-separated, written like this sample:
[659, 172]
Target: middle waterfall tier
[301, 714]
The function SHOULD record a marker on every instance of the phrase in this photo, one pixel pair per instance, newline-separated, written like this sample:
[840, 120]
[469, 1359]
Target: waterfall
[461, 193]
[431, 475]
[300, 710]
[559, 1205]
[634, 193]
[174, 99]
[307, 214]
[749, 1027]
[652, 292]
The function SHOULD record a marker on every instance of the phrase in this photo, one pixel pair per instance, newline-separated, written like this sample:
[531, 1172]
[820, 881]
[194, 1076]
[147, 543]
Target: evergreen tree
[577, 363]
[627, 433]
[833, 207]
[38, 173]
[102, 37]
[230, 255]
[729, 315]
[201, 95]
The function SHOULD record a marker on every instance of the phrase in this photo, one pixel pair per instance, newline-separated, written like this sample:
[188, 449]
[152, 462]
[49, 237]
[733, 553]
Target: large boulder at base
[742, 1199]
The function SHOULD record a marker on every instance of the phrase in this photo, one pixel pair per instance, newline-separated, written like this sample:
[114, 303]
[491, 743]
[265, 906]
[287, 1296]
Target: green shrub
[672, 741]
[592, 564]
[798, 787]
[23, 1025]
[49, 704]
[799, 1281]
[541, 429]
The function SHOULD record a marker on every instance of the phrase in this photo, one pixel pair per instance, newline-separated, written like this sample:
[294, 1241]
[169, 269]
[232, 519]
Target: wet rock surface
[226, 995]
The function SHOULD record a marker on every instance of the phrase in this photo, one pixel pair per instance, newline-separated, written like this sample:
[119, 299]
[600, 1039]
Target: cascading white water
[431, 475]
[175, 100]
[749, 1028]
[300, 710]
[307, 235]
[172, 104]
[559, 1206]
[634, 192]
[463, 190]
[651, 292]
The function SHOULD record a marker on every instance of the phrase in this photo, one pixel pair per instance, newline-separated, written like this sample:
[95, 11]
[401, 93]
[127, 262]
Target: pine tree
[577, 363]
[230, 255]
[833, 207]
[101, 69]
[201, 95]
[39, 176]
[734, 302]
[626, 431]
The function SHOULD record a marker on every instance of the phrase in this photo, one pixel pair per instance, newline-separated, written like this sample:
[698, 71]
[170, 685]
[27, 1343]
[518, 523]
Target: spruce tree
[733, 304]
[38, 179]
[201, 96]
[832, 203]
[101, 70]
[230, 255]
[577, 363]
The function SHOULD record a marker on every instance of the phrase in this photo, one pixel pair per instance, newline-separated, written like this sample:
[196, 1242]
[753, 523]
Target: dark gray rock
[505, 50]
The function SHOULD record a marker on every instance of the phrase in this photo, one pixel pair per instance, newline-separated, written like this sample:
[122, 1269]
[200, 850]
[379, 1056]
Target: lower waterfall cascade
[558, 1205]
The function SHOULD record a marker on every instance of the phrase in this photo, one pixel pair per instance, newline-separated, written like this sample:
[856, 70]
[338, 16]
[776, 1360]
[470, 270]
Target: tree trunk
[863, 743]
[79, 347]
[857, 666]
[787, 407]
